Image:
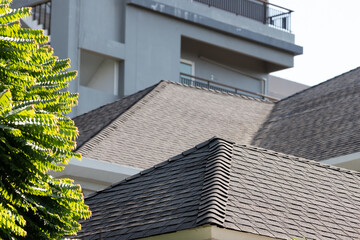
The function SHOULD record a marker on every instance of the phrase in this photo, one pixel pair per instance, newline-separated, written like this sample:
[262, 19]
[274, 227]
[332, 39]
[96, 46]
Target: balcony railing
[209, 84]
[41, 13]
[259, 10]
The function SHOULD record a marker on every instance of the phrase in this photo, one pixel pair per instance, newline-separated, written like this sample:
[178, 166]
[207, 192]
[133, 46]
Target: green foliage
[35, 135]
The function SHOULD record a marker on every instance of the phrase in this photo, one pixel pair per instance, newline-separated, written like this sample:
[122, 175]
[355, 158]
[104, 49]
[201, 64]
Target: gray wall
[153, 50]
[221, 65]
[282, 88]
[147, 45]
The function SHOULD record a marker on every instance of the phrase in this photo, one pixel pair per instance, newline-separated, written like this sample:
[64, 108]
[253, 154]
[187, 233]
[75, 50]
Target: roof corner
[214, 194]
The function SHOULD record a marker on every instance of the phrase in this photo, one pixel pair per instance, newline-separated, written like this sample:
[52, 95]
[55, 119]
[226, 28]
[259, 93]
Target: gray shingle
[220, 183]
[91, 123]
[318, 123]
[171, 118]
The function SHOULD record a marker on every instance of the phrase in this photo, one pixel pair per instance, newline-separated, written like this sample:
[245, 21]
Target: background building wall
[122, 46]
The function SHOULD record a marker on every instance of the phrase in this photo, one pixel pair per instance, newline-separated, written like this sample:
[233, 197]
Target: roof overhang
[208, 232]
[349, 161]
[94, 175]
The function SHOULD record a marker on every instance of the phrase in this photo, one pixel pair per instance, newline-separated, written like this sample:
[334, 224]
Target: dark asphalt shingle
[318, 123]
[238, 187]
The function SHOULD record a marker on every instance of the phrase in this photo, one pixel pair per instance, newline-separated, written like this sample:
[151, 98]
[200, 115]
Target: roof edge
[214, 194]
[319, 84]
[123, 116]
[146, 91]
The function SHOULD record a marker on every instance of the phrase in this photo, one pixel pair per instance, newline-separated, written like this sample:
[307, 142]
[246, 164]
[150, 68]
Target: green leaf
[35, 135]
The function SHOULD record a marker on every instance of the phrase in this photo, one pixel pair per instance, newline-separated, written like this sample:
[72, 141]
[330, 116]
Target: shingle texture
[91, 123]
[319, 123]
[233, 186]
[169, 119]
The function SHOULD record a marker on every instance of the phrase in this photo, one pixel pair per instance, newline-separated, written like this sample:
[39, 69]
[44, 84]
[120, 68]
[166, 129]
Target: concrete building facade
[122, 46]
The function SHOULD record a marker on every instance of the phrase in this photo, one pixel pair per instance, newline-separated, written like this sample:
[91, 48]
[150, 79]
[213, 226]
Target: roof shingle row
[233, 186]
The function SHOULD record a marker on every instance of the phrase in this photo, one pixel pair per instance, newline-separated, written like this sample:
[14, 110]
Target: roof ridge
[87, 146]
[164, 163]
[300, 159]
[219, 92]
[145, 91]
[214, 194]
[326, 81]
[117, 100]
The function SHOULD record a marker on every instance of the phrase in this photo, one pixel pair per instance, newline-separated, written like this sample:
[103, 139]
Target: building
[123, 53]
[120, 47]
[319, 123]
[282, 88]
[220, 189]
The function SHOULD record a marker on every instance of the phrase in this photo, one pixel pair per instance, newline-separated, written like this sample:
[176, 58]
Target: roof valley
[214, 194]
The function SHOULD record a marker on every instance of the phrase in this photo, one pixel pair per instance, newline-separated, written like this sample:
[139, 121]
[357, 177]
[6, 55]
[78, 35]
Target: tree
[36, 136]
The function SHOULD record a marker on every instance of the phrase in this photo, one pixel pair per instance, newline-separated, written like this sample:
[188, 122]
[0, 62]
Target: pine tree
[36, 136]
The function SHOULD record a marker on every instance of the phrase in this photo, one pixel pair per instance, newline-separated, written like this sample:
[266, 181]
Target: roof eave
[208, 232]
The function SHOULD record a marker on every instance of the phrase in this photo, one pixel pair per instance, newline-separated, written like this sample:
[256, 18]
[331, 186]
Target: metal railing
[259, 10]
[209, 84]
[41, 13]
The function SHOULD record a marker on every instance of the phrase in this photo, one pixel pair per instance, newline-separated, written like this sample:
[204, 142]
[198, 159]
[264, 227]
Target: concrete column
[65, 35]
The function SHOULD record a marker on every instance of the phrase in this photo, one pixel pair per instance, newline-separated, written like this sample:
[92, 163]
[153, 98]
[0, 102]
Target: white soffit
[97, 170]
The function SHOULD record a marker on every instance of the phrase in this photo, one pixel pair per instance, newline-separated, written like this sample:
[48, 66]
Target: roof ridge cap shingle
[219, 92]
[214, 194]
[319, 84]
[300, 159]
[87, 146]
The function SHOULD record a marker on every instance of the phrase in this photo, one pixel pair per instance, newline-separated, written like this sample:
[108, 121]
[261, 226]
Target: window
[187, 69]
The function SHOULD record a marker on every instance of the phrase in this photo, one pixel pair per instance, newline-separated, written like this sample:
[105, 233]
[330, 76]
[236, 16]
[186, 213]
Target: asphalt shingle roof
[318, 123]
[91, 123]
[233, 186]
[167, 119]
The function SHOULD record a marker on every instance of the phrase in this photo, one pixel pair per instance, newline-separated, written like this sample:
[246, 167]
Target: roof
[232, 186]
[318, 123]
[91, 123]
[165, 119]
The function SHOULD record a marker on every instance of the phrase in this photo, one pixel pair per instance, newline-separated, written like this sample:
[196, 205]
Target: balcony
[258, 10]
[209, 84]
[40, 16]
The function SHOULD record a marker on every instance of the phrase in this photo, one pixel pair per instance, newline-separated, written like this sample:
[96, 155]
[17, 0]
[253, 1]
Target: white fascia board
[96, 170]
[208, 232]
[349, 161]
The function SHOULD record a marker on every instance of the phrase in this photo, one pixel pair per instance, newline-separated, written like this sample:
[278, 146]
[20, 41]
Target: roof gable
[318, 123]
[171, 118]
[233, 186]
